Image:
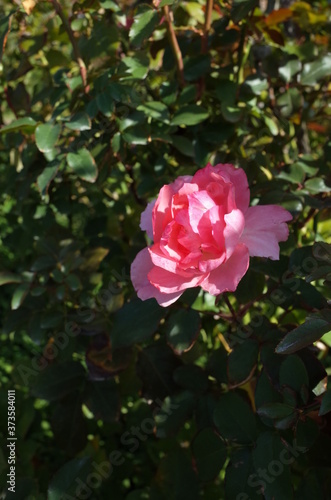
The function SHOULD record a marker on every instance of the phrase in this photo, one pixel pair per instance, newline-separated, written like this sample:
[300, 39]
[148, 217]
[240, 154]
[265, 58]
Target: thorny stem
[208, 17]
[174, 45]
[78, 57]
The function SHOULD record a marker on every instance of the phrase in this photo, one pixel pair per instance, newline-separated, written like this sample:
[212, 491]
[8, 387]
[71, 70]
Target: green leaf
[46, 136]
[83, 165]
[68, 424]
[317, 185]
[26, 124]
[183, 145]
[241, 9]
[255, 85]
[275, 410]
[239, 477]
[191, 377]
[234, 419]
[209, 453]
[293, 173]
[311, 486]
[196, 67]
[293, 373]
[303, 335]
[19, 295]
[155, 367]
[231, 114]
[290, 69]
[322, 251]
[79, 121]
[217, 365]
[166, 2]
[73, 282]
[46, 177]
[135, 322]
[326, 404]
[182, 329]
[250, 286]
[191, 114]
[8, 277]
[102, 399]
[268, 455]
[174, 412]
[105, 102]
[143, 26]
[315, 71]
[156, 110]
[289, 101]
[272, 125]
[43, 262]
[64, 482]
[57, 380]
[93, 257]
[110, 4]
[137, 65]
[138, 134]
[51, 319]
[242, 360]
[265, 391]
[175, 478]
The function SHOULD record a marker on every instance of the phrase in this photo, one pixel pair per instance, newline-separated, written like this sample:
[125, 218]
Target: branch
[232, 311]
[174, 45]
[208, 17]
[78, 57]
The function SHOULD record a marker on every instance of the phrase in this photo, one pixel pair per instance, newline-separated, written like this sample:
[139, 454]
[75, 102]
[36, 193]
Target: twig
[174, 45]
[208, 17]
[232, 311]
[133, 190]
[77, 54]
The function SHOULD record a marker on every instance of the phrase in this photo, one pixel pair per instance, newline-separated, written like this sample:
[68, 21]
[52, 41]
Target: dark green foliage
[119, 398]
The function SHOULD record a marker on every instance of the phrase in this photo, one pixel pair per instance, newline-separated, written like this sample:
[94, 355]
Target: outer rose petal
[146, 219]
[235, 223]
[227, 276]
[265, 226]
[168, 282]
[140, 268]
[239, 179]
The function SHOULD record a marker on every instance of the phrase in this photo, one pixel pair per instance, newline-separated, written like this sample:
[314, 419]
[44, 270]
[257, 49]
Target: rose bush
[204, 233]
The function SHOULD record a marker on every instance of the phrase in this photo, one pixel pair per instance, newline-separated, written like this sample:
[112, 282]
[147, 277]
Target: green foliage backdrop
[103, 103]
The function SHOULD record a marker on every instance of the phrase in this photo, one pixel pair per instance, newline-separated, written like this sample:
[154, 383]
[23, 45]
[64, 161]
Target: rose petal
[168, 282]
[216, 216]
[265, 226]
[198, 204]
[146, 223]
[227, 276]
[162, 210]
[140, 268]
[234, 226]
[239, 180]
[159, 259]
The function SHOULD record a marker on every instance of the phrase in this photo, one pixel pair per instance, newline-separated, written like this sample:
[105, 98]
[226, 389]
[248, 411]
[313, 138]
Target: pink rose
[204, 233]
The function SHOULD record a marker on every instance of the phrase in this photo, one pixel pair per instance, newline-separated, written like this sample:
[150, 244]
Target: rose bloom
[204, 233]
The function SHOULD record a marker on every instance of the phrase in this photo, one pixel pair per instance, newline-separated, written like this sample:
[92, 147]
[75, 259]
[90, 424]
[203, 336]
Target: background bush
[121, 398]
